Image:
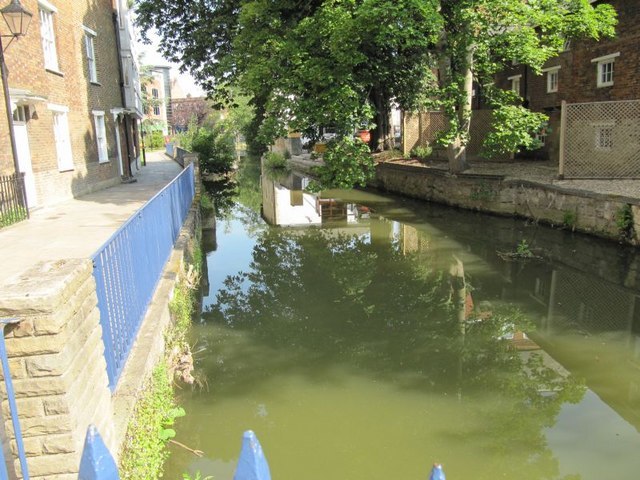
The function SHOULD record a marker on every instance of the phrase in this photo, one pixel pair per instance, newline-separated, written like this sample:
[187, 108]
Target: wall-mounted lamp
[17, 18]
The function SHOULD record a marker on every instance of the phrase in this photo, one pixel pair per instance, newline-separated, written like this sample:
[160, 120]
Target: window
[21, 114]
[155, 94]
[62, 137]
[89, 44]
[605, 69]
[48, 35]
[604, 137]
[552, 78]
[101, 136]
[515, 83]
[542, 138]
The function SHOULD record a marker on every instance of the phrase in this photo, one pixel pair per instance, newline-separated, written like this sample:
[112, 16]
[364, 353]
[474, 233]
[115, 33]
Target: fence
[423, 128]
[600, 140]
[128, 266]
[13, 202]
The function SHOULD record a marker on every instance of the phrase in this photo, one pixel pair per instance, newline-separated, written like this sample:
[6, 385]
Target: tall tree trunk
[381, 138]
[457, 150]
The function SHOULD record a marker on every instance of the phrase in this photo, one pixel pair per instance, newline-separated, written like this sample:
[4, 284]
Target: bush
[154, 140]
[347, 163]
[215, 148]
[422, 152]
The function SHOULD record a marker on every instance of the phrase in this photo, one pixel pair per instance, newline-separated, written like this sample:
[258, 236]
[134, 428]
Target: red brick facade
[577, 76]
[68, 89]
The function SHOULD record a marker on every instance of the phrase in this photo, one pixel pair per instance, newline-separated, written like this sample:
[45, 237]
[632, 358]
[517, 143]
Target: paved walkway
[77, 228]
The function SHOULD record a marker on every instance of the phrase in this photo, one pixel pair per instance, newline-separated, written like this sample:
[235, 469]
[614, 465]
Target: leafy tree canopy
[342, 62]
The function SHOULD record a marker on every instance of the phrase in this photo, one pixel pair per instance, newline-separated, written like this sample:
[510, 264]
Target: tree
[480, 38]
[341, 63]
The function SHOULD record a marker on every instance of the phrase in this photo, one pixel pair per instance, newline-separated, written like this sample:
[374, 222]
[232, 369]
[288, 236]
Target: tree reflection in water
[321, 298]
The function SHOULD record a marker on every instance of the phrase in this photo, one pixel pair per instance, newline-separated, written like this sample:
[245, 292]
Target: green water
[336, 338]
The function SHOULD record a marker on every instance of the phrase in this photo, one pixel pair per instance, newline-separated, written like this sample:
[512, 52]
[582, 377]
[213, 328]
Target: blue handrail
[127, 268]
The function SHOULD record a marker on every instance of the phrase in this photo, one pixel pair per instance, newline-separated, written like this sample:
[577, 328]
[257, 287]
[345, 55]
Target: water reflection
[344, 344]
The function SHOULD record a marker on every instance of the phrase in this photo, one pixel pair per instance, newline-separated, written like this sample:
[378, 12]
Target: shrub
[215, 148]
[154, 140]
[422, 152]
[347, 163]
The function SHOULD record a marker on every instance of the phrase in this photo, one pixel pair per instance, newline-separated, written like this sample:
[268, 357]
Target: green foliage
[154, 140]
[569, 219]
[422, 153]
[144, 450]
[206, 204]
[13, 215]
[523, 250]
[624, 222]
[215, 148]
[346, 163]
[275, 161]
[513, 130]
[340, 62]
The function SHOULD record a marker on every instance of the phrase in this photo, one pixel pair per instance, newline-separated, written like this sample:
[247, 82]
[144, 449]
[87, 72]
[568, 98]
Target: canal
[330, 327]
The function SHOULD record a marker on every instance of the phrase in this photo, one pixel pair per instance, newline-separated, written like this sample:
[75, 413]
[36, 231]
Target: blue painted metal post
[11, 396]
[437, 473]
[252, 464]
[97, 462]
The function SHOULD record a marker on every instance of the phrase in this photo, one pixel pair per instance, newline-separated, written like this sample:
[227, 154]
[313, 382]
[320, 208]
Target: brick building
[587, 71]
[184, 110]
[75, 129]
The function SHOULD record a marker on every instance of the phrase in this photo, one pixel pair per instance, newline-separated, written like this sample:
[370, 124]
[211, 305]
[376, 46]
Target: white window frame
[90, 51]
[553, 78]
[101, 136]
[62, 137]
[515, 83]
[542, 138]
[48, 35]
[605, 76]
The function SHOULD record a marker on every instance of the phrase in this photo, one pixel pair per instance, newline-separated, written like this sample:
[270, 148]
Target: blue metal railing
[98, 464]
[128, 266]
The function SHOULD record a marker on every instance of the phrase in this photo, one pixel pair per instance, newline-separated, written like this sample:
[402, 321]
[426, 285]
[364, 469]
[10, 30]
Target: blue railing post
[96, 462]
[11, 396]
[437, 473]
[252, 464]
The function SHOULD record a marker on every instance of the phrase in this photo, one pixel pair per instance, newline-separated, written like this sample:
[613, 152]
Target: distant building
[184, 110]
[158, 91]
[73, 97]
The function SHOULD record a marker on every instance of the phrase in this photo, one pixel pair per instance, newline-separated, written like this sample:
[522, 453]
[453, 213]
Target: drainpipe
[123, 96]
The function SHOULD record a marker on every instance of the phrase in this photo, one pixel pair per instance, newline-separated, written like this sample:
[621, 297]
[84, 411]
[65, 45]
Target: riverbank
[605, 208]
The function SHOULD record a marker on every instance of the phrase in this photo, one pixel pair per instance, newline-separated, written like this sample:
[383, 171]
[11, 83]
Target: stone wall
[57, 363]
[590, 212]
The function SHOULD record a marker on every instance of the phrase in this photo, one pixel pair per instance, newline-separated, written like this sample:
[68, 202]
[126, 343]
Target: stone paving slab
[77, 228]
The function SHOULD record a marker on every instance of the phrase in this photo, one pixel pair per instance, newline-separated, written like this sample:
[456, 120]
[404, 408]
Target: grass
[12, 216]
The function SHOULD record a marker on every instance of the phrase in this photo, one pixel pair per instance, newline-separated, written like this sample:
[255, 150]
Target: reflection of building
[285, 203]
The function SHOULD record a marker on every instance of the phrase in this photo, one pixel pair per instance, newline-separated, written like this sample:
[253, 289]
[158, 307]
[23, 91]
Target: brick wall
[68, 87]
